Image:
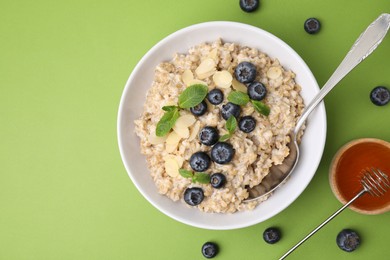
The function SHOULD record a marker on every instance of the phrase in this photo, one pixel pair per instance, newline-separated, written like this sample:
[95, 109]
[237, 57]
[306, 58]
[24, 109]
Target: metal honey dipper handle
[374, 181]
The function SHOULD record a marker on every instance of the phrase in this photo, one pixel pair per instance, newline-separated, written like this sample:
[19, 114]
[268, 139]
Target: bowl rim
[320, 108]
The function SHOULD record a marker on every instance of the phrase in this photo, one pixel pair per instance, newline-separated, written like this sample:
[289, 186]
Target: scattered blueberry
[215, 96]
[222, 153]
[247, 124]
[230, 109]
[217, 180]
[348, 240]
[200, 161]
[249, 5]
[257, 91]
[208, 135]
[193, 196]
[209, 249]
[380, 96]
[271, 235]
[199, 109]
[245, 72]
[312, 25]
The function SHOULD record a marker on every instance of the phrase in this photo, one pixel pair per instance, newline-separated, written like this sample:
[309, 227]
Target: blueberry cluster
[245, 72]
[222, 152]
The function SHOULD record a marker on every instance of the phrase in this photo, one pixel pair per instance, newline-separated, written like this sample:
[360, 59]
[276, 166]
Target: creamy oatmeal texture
[255, 152]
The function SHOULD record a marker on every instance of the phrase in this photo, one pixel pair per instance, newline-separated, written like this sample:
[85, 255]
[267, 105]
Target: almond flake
[153, 139]
[206, 68]
[172, 142]
[177, 158]
[173, 138]
[222, 79]
[239, 86]
[197, 81]
[182, 131]
[170, 148]
[187, 77]
[194, 131]
[182, 124]
[213, 54]
[186, 120]
[274, 73]
[171, 167]
[206, 75]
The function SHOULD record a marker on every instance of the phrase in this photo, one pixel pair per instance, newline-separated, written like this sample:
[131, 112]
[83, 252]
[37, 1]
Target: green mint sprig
[200, 177]
[190, 97]
[261, 107]
[167, 121]
[231, 125]
[241, 99]
[238, 98]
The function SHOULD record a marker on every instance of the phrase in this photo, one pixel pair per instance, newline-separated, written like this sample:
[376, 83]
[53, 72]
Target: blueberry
[312, 25]
[271, 235]
[380, 96]
[222, 153]
[217, 180]
[209, 249]
[249, 5]
[257, 91]
[193, 196]
[230, 109]
[245, 72]
[348, 240]
[200, 161]
[199, 109]
[247, 124]
[208, 135]
[215, 96]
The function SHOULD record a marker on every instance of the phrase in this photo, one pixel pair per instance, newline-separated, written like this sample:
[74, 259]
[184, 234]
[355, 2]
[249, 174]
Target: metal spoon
[364, 46]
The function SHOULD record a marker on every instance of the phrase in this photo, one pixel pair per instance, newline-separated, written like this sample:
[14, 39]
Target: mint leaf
[166, 122]
[201, 177]
[261, 107]
[192, 95]
[186, 173]
[224, 137]
[238, 98]
[169, 108]
[231, 124]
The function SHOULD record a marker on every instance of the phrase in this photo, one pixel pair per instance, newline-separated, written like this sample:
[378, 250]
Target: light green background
[64, 193]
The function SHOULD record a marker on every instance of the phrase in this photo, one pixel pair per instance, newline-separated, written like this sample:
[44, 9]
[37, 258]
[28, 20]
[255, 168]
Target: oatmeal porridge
[210, 154]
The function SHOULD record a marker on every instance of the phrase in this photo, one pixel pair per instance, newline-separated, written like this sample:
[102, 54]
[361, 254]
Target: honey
[347, 168]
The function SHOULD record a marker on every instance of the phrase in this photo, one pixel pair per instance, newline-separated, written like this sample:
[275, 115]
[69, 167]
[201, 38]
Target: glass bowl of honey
[346, 171]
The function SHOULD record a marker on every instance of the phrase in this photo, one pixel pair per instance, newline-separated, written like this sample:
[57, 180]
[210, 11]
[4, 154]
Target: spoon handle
[323, 223]
[363, 46]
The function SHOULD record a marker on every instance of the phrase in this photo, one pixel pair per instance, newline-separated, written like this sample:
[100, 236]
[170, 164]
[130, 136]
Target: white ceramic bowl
[134, 96]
